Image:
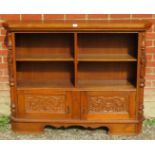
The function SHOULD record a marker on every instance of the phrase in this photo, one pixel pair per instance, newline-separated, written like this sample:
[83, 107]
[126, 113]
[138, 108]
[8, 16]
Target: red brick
[150, 29]
[149, 57]
[4, 46]
[153, 83]
[75, 16]
[97, 16]
[53, 16]
[5, 72]
[1, 24]
[2, 38]
[3, 52]
[150, 77]
[1, 72]
[29, 17]
[149, 43]
[149, 70]
[142, 16]
[10, 16]
[150, 89]
[151, 63]
[5, 59]
[150, 49]
[3, 32]
[150, 35]
[1, 60]
[120, 16]
[151, 20]
[5, 75]
[153, 27]
[3, 66]
[149, 93]
[148, 84]
[4, 79]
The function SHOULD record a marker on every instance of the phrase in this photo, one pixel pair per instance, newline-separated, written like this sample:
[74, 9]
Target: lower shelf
[106, 84]
[82, 84]
[45, 84]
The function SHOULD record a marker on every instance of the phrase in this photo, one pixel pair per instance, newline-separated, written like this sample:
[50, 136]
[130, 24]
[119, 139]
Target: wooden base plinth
[113, 129]
[27, 127]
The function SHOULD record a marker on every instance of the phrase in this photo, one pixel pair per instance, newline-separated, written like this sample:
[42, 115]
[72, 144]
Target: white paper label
[75, 25]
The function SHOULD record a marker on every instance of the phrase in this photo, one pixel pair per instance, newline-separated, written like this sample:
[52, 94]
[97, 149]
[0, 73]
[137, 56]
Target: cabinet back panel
[107, 71]
[108, 43]
[44, 44]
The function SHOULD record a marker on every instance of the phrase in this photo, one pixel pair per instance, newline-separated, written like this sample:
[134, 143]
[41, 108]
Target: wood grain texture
[44, 104]
[44, 46]
[12, 73]
[82, 25]
[106, 58]
[141, 78]
[77, 73]
[113, 129]
[109, 105]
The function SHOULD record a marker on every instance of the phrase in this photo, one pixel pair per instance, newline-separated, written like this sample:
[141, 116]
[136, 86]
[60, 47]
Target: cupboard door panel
[108, 105]
[44, 104]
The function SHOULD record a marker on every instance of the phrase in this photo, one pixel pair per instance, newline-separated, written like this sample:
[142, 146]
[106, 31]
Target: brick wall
[150, 52]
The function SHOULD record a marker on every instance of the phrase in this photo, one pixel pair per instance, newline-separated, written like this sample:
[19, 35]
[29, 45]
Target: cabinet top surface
[77, 25]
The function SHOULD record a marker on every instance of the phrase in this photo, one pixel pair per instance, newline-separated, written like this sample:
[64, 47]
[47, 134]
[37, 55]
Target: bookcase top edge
[77, 25]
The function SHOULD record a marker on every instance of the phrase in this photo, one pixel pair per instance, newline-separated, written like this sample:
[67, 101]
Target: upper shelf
[76, 25]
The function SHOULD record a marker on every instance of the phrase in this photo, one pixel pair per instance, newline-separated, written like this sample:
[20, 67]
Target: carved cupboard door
[43, 104]
[108, 105]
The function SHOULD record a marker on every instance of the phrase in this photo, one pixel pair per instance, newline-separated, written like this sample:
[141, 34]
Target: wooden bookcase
[77, 73]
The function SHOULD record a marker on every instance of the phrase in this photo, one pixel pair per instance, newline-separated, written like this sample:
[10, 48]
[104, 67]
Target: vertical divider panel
[75, 60]
[76, 106]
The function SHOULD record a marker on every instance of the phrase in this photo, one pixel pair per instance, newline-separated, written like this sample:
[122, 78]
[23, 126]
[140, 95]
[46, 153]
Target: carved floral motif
[105, 104]
[10, 60]
[9, 43]
[142, 77]
[143, 58]
[40, 103]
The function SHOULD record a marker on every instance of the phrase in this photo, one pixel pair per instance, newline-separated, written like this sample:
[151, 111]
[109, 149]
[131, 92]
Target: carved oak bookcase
[77, 73]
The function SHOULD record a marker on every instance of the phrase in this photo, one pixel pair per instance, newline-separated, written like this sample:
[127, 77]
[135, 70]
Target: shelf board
[107, 57]
[83, 85]
[45, 84]
[106, 84]
[43, 57]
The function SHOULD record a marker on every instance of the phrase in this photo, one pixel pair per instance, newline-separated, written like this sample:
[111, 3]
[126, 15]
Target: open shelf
[107, 84]
[107, 75]
[106, 57]
[45, 84]
[44, 47]
[47, 60]
[44, 57]
[45, 75]
[107, 47]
